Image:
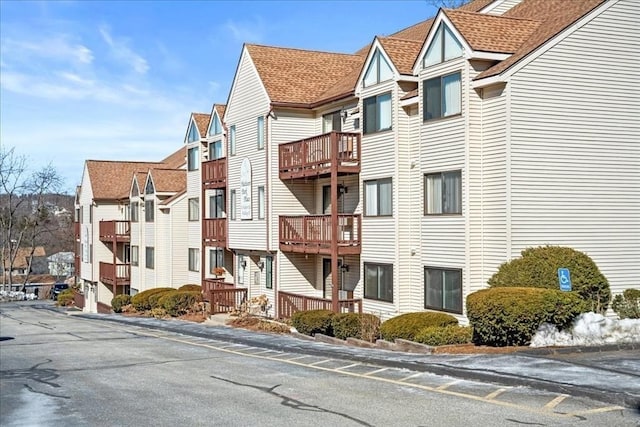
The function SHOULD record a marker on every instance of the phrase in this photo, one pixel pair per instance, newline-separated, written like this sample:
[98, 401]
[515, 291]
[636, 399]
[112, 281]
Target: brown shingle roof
[141, 179]
[402, 52]
[295, 76]
[170, 200]
[22, 256]
[111, 180]
[554, 15]
[202, 122]
[220, 109]
[169, 180]
[176, 159]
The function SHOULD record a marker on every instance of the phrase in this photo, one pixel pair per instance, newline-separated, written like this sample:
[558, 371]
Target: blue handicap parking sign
[564, 278]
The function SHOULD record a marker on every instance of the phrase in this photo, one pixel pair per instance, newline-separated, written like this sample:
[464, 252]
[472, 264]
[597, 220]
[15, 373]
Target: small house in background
[21, 262]
[61, 264]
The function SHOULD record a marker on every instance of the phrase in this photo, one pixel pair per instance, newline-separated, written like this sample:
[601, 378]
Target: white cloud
[57, 48]
[122, 52]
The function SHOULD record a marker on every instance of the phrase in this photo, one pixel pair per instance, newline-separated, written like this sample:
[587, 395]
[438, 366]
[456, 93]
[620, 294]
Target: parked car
[57, 288]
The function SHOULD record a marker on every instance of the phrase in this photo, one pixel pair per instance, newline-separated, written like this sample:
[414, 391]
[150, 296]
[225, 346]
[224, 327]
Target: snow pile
[589, 329]
[16, 296]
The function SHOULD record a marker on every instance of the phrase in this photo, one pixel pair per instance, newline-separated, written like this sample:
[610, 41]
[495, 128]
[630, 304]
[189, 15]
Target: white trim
[211, 121]
[192, 122]
[478, 54]
[376, 45]
[522, 62]
[491, 6]
[409, 101]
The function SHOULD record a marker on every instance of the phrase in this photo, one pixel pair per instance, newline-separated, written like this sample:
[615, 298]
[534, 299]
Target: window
[378, 199]
[232, 140]
[444, 46]
[232, 204]
[149, 253]
[268, 275]
[215, 150]
[443, 193]
[193, 162]
[194, 209]
[134, 190]
[378, 281]
[443, 289]
[260, 202]
[193, 135]
[149, 213]
[377, 113]
[216, 259]
[134, 208]
[216, 127]
[332, 121]
[441, 96]
[242, 265]
[378, 71]
[148, 187]
[194, 259]
[134, 255]
[261, 133]
[216, 204]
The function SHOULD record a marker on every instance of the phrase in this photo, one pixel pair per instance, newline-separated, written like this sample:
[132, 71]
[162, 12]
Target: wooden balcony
[214, 173]
[76, 230]
[315, 157]
[226, 300]
[214, 232]
[311, 234]
[290, 303]
[209, 284]
[118, 231]
[115, 274]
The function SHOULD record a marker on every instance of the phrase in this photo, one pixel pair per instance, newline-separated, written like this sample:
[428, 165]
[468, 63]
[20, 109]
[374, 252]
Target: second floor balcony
[311, 234]
[119, 231]
[214, 232]
[115, 274]
[214, 173]
[316, 156]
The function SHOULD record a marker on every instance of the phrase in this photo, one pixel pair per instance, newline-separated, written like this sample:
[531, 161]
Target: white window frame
[441, 304]
[149, 257]
[232, 140]
[374, 207]
[380, 294]
[194, 209]
[261, 202]
[445, 110]
[378, 102]
[449, 202]
[194, 259]
[193, 159]
[260, 130]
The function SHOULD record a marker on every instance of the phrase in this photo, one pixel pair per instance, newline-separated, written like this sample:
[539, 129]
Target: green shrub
[177, 303]
[120, 301]
[538, 268]
[65, 298]
[511, 316]
[154, 300]
[363, 326]
[313, 322]
[445, 335]
[627, 305]
[194, 288]
[406, 326]
[141, 301]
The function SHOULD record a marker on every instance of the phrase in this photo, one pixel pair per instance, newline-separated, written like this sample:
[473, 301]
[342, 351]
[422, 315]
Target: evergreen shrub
[363, 326]
[140, 301]
[445, 335]
[406, 326]
[177, 303]
[627, 305]
[120, 301]
[313, 322]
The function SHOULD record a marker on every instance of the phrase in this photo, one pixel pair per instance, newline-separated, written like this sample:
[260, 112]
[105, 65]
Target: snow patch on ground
[589, 329]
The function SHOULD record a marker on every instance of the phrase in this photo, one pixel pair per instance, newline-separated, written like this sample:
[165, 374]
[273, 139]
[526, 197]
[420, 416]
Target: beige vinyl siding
[443, 148]
[137, 239]
[193, 228]
[501, 6]
[575, 177]
[86, 229]
[247, 101]
[177, 248]
[149, 240]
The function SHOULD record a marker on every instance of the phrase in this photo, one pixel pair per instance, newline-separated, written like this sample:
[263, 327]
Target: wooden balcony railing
[290, 303]
[76, 230]
[312, 234]
[226, 300]
[315, 156]
[214, 173]
[214, 232]
[211, 284]
[120, 231]
[115, 274]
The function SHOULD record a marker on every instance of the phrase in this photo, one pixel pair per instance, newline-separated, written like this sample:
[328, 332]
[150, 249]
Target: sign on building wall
[245, 190]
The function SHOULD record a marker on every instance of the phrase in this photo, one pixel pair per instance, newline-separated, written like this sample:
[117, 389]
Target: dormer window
[134, 190]
[378, 71]
[148, 188]
[444, 46]
[193, 135]
[216, 127]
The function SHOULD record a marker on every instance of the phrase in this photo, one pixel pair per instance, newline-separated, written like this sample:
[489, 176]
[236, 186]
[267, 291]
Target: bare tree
[25, 217]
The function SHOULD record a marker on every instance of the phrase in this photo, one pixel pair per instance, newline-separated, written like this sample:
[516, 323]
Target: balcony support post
[335, 295]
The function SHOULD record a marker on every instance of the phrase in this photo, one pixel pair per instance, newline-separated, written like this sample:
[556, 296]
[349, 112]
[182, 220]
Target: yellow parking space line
[446, 386]
[495, 393]
[348, 366]
[320, 362]
[596, 410]
[408, 377]
[555, 402]
[375, 372]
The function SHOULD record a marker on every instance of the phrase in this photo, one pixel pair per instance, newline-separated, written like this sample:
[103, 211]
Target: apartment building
[398, 178]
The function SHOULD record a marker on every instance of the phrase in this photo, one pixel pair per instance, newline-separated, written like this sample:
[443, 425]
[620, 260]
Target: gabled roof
[176, 159]
[111, 180]
[402, 52]
[302, 77]
[169, 180]
[202, 122]
[220, 109]
[554, 16]
[491, 33]
[173, 198]
[22, 256]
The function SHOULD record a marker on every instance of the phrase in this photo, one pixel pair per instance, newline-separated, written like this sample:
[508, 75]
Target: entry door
[332, 121]
[326, 200]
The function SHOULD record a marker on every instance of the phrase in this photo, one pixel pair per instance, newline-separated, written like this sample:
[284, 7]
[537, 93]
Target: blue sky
[117, 80]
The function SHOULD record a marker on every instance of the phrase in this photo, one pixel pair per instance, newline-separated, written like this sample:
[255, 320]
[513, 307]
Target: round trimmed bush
[66, 297]
[510, 316]
[313, 322]
[120, 301]
[627, 305]
[140, 301]
[194, 288]
[445, 335]
[538, 267]
[407, 326]
[177, 303]
[363, 326]
[154, 300]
